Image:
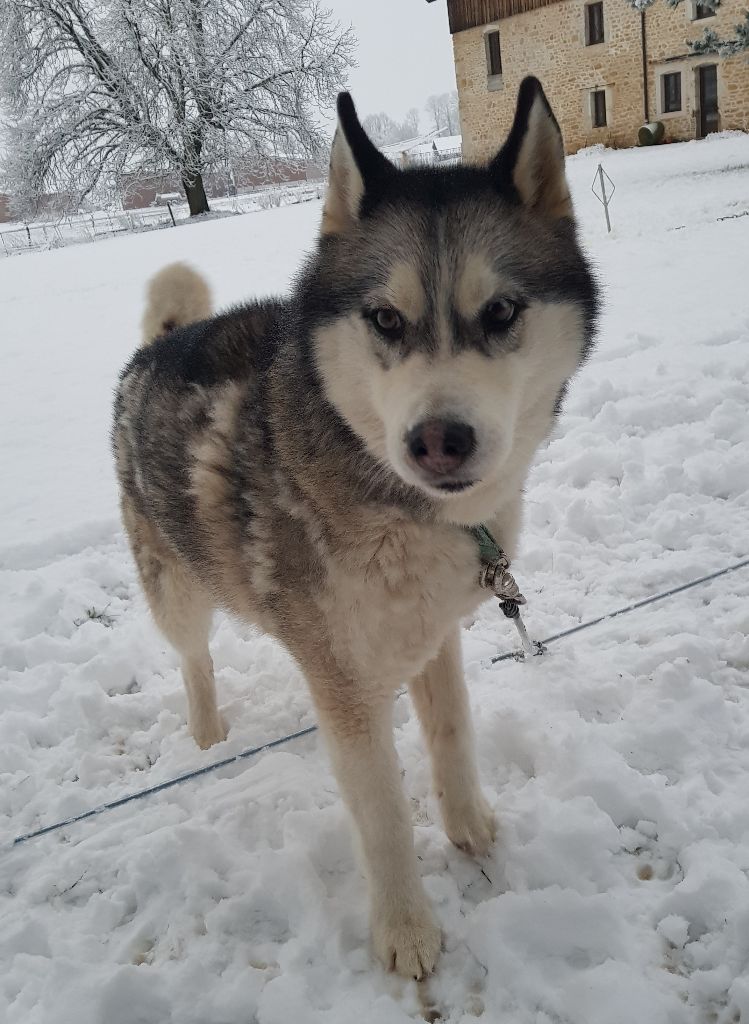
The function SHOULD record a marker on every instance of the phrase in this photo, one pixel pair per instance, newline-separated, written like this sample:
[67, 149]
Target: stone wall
[550, 43]
[668, 31]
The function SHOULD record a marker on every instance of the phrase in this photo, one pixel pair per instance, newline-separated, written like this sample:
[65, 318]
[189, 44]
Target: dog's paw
[408, 944]
[470, 824]
[208, 731]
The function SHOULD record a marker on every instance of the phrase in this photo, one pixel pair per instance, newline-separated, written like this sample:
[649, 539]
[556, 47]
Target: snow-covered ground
[618, 764]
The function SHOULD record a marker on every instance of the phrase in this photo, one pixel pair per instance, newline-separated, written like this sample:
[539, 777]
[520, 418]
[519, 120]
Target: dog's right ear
[357, 168]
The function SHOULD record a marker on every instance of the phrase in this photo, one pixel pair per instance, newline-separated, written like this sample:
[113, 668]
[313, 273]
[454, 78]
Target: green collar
[489, 550]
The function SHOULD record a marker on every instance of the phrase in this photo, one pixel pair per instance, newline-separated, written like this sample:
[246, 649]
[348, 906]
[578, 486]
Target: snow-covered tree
[443, 111]
[96, 88]
[710, 41]
[410, 123]
[383, 129]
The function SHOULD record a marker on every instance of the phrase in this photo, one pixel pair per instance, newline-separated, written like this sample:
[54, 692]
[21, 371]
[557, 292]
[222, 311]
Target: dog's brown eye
[388, 322]
[499, 314]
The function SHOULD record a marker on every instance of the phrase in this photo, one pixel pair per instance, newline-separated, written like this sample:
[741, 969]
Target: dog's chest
[394, 594]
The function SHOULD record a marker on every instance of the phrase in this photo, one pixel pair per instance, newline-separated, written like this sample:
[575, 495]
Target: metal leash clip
[496, 576]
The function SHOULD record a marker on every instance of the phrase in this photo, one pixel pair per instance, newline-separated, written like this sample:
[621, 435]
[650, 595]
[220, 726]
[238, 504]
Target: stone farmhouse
[606, 68]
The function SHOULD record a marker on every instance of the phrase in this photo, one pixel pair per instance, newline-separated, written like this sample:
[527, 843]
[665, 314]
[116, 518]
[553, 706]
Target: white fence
[33, 237]
[445, 158]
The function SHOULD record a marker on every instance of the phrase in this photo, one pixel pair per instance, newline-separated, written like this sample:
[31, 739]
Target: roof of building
[407, 145]
[464, 14]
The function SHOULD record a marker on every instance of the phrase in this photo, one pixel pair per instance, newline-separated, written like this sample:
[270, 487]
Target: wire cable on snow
[252, 751]
[631, 607]
[165, 785]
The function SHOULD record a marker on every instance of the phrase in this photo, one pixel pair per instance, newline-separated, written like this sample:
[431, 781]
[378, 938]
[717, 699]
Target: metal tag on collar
[495, 575]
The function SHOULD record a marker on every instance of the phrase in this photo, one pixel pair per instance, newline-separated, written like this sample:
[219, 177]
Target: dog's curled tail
[176, 296]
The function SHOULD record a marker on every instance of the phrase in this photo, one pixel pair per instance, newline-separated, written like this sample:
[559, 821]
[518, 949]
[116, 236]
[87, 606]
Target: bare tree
[95, 89]
[443, 111]
[411, 123]
[381, 128]
[384, 130]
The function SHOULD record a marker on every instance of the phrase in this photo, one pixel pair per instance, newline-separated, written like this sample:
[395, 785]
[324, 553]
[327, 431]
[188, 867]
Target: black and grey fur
[308, 464]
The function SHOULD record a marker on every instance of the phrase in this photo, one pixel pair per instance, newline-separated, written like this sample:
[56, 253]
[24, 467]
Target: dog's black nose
[441, 446]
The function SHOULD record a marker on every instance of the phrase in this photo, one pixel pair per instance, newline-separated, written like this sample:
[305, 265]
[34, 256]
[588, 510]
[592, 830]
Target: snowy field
[618, 765]
[18, 239]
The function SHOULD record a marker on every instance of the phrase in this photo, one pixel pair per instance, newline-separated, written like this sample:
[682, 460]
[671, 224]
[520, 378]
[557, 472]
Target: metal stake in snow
[604, 197]
[495, 575]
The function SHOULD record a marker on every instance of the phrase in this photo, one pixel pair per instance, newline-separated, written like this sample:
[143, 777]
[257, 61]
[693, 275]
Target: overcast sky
[404, 55]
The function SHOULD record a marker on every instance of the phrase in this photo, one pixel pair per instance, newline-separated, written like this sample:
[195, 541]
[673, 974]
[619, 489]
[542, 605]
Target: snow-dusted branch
[709, 41]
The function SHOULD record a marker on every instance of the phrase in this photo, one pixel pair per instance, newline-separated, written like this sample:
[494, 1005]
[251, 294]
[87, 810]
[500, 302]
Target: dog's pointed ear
[531, 162]
[357, 168]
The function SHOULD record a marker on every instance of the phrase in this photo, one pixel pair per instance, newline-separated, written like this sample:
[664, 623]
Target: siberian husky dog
[311, 464]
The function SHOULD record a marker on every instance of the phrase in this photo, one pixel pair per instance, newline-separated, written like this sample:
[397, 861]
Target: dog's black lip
[455, 486]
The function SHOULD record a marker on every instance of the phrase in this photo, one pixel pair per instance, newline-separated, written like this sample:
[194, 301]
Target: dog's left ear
[357, 168]
[531, 162]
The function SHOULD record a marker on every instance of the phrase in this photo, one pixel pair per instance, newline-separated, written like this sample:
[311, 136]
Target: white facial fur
[507, 397]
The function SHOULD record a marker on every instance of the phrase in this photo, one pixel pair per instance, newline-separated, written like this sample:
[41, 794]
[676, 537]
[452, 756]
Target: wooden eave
[465, 14]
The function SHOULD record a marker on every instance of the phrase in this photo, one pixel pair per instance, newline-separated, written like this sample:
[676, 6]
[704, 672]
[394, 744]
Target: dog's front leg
[441, 700]
[359, 731]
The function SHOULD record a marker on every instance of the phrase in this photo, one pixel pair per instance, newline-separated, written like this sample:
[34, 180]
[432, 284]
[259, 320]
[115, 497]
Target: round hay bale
[651, 134]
